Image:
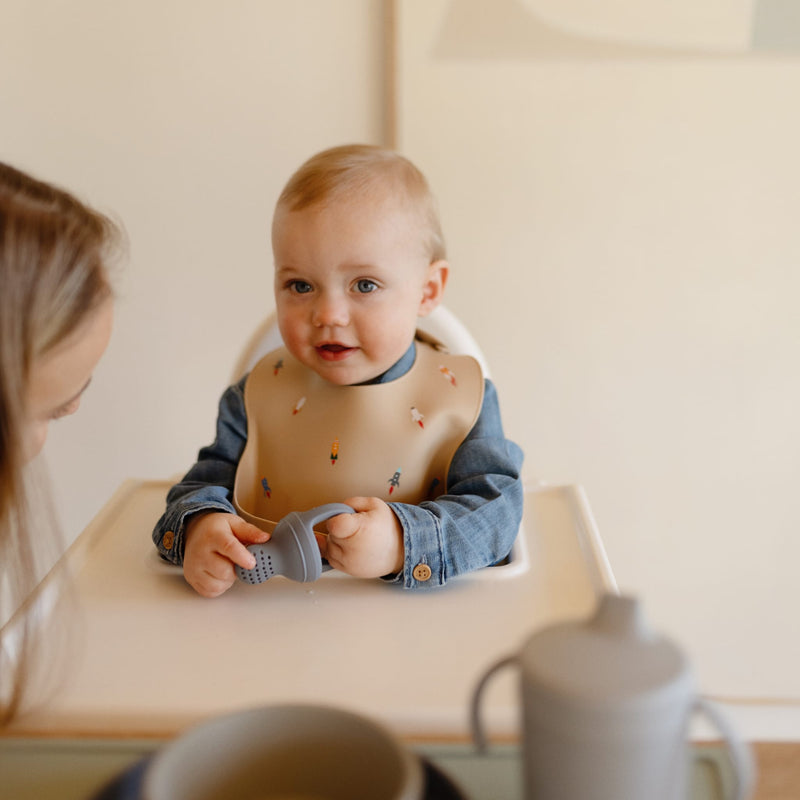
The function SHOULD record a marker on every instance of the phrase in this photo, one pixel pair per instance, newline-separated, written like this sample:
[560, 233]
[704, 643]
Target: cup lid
[611, 657]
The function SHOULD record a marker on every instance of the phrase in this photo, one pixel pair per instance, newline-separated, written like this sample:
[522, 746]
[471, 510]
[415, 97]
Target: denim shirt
[473, 525]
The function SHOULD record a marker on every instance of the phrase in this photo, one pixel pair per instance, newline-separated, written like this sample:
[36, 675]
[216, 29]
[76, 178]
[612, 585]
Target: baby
[357, 407]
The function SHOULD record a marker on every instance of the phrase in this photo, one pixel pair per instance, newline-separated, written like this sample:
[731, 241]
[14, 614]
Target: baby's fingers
[210, 576]
[248, 533]
[343, 526]
[209, 585]
[237, 553]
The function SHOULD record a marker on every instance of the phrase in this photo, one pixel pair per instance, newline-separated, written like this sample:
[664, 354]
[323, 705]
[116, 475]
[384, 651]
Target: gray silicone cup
[292, 551]
[292, 750]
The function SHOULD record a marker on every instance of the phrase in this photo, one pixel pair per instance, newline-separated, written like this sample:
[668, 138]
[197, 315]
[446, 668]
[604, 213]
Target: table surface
[71, 770]
[150, 656]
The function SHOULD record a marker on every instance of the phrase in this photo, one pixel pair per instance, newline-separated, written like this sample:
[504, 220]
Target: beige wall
[183, 119]
[622, 212]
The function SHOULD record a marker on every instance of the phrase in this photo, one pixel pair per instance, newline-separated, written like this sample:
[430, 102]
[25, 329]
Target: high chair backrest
[441, 323]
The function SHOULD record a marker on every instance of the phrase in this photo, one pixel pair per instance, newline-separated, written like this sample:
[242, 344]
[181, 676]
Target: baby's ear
[433, 288]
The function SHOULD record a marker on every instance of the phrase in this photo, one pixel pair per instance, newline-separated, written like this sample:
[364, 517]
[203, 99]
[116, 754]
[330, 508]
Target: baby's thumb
[248, 533]
[342, 526]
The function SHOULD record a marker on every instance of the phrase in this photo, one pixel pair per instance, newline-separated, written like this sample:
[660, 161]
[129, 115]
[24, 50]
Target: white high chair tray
[152, 656]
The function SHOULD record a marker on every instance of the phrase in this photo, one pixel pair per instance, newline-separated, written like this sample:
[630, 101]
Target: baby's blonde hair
[360, 170]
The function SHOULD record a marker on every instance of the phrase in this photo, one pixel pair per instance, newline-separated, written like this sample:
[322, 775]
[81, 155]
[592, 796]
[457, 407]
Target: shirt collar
[398, 369]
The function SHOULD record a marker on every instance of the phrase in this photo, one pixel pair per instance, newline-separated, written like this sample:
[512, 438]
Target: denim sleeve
[208, 485]
[474, 524]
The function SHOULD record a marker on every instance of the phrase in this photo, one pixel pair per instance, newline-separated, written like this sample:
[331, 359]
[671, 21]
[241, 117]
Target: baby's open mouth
[333, 352]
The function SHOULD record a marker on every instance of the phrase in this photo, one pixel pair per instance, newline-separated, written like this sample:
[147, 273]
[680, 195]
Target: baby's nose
[330, 311]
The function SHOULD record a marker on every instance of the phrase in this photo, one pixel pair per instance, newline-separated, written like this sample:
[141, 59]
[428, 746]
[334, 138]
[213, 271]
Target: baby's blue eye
[301, 287]
[365, 286]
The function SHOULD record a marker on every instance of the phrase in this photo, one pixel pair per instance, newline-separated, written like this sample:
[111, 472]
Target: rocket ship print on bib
[447, 374]
[394, 481]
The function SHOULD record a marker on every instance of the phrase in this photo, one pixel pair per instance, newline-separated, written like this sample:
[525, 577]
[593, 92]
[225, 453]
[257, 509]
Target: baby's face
[351, 280]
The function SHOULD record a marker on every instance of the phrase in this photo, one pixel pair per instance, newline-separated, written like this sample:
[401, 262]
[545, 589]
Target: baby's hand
[367, 544]
[214, 543]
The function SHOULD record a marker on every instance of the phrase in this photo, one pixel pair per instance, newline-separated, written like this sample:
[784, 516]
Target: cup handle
[741, 755]
[478, 733]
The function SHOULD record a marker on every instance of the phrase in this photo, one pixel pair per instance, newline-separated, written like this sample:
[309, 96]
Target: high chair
[183, 658]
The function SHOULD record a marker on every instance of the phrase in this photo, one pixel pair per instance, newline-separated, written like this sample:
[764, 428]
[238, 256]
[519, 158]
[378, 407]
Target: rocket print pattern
[394, 481]
[417, 417]
[334, 451]
[447, 375]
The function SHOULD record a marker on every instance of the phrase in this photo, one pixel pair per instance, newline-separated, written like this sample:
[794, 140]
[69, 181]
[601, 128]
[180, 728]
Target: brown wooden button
[168, 540]
[422, 572]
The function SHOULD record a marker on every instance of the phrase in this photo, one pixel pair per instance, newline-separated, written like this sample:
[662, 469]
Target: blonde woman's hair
[53, 275]
[367, 171]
